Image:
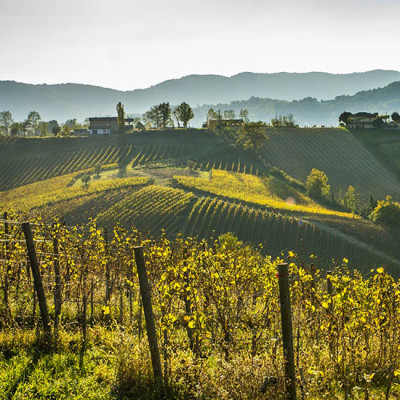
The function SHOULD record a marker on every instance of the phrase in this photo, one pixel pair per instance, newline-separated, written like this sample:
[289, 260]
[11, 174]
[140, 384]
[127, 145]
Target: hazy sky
[128, 44]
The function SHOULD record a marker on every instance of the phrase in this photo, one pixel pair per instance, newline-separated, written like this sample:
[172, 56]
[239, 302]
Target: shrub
[387, 212]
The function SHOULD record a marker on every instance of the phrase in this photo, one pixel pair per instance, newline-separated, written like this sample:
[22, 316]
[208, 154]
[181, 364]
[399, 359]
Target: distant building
[225, 123]
[362, 120]
[106, 125]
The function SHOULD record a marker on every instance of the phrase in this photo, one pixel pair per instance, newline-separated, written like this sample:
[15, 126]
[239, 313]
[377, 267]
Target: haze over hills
[64, 101]
[310, 111]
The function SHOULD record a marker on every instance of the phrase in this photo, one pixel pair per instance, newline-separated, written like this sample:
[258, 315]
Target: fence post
[7, 272]
[57, 292]
[37, 279]
[287, 333]
[188, 303]
[145, 291]
[108, 288]
[91, 301]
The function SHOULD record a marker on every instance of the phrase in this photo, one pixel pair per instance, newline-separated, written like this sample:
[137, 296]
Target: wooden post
[37, 279]
[287, 333]
[84, 321]
[91, 301]
[108, 288]
[188, 303]
[130, 306]
[330, 290]
[145, 291]
[7, 272]
[57, 289]
[121, 307]
[140, 318]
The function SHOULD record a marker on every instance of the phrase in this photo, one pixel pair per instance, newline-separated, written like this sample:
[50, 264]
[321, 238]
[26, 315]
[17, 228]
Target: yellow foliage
[264, 191]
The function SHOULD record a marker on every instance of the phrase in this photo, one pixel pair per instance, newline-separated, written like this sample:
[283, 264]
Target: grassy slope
[337, 152]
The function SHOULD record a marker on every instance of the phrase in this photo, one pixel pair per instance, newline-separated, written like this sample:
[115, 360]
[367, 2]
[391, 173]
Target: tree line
[35, 125]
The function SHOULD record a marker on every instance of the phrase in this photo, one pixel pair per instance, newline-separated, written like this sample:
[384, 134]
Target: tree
[183, 113]
[244, 114]
[317, 184]
[387, 212]
[16, 129]
[395, 116]
[72, 123]
[345, 117]
[43, 128]
[54, 127]
[211, 114]
[32, 121]
[165, 112]
[229, 114]
[85, 180]
[97, 169]
[120, 117]
[351, 199]
[153, 117]
[284, 121]
[6, 120]
[252, 135]
[158, 116]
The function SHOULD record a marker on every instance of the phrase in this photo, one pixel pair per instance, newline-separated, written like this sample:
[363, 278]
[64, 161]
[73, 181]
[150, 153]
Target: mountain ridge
[70, 100]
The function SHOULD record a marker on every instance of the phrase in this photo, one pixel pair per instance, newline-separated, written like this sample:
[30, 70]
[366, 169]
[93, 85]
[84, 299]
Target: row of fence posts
[145, 291]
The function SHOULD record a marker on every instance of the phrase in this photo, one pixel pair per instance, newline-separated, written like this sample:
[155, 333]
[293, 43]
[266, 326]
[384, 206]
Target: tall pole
[145, 291]
[37, 279]
[287, 332]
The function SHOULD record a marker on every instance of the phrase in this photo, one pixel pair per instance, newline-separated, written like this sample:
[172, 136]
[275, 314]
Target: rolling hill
[144, 183]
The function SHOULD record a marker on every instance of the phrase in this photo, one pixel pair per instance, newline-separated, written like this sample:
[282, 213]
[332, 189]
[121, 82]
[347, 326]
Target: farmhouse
[363, 120]
[106, 125]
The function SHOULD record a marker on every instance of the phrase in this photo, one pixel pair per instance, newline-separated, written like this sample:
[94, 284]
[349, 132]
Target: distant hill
[69, 100]
[310, 111]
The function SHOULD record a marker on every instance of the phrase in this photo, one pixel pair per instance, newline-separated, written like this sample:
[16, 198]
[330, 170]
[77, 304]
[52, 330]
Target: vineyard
[194, 183]
[268, 192]
[26, 161]
[385, 145]
[134, 202]
[337, 152]
[216, 316]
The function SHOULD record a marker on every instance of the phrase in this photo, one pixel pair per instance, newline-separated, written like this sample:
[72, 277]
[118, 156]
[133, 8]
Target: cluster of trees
[34, 125]
[252, 135]
[162, 115]
[284, 121]
[219, 115]
[318, 188]
[385, 212]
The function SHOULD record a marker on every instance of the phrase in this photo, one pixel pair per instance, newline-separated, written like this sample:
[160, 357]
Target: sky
[130, 44]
